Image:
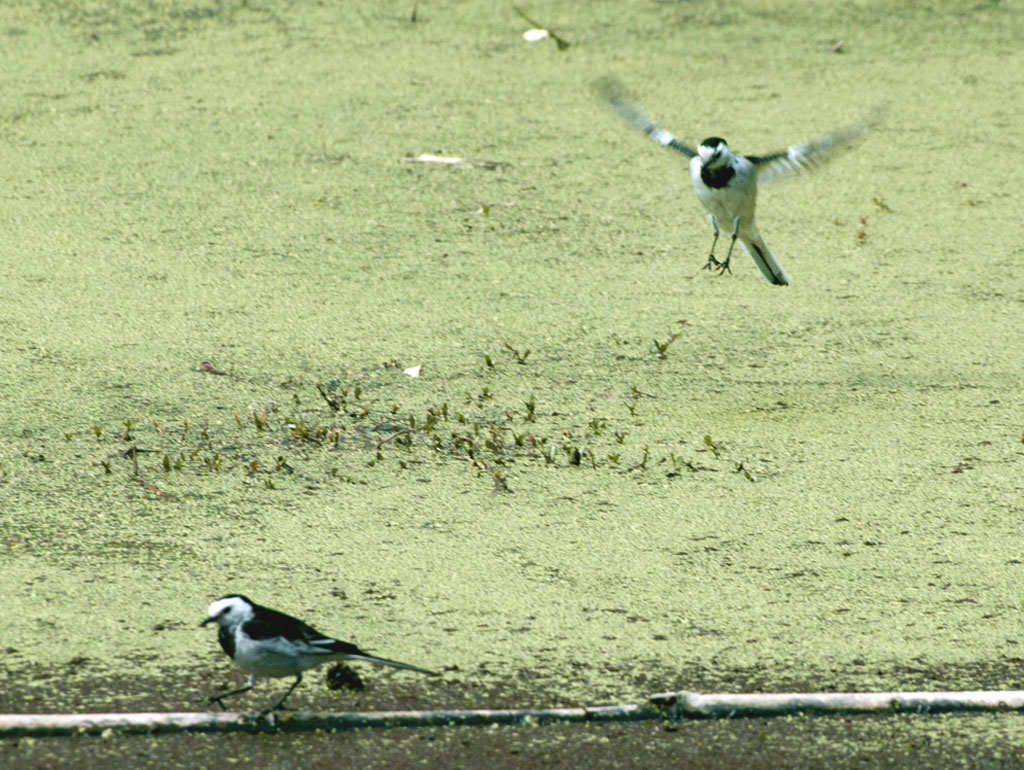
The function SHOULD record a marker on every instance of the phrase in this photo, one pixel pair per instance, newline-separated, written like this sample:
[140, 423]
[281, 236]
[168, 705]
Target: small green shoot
[334, 402]
[520, 357]
[661, 348]
[642, 465]
[501, 482]
[134, 454]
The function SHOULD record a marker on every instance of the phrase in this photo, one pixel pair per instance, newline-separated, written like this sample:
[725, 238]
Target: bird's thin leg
[723, 267]
[219, 699]
[283, 698]
[712, 263]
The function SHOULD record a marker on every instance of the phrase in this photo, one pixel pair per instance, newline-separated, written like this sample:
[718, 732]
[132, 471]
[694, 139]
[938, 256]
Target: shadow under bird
[267, 643]
[726, 183]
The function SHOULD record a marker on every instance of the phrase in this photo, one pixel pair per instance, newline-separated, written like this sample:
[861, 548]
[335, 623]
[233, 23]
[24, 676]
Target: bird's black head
[245, 599]
[713, 151]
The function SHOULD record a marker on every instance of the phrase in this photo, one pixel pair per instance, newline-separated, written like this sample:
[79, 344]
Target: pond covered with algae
[614, 469]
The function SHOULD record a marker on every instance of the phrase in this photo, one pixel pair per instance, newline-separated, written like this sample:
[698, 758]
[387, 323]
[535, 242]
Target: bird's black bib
[227, 641]
[717, 178]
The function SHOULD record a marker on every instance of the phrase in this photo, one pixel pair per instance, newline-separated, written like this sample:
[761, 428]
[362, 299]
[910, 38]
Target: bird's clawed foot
[279, 706]
[219, 698]
[268, 718]
[714, 264]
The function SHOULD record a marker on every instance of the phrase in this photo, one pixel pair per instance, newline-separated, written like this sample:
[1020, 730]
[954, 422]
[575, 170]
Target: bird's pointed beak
[208, 620]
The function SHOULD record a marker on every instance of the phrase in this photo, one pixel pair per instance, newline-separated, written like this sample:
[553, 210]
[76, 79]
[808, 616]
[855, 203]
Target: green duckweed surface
[215, 251]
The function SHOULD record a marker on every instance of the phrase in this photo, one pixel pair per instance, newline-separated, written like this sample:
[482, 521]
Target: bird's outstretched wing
[637, 116]
[801, 158]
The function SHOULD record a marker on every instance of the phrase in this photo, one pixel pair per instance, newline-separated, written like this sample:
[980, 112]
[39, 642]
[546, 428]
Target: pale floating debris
[449, 160]
[413, 371]
[442, 159]
[539, 31]
[485, 208]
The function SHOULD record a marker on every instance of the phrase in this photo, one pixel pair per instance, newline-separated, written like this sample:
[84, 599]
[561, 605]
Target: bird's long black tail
[394, 663]
[766, 262]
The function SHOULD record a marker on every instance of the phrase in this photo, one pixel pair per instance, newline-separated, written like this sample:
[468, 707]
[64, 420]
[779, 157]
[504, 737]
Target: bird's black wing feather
[801, 158]
[269, 623]
[757, 160]
[637, 116]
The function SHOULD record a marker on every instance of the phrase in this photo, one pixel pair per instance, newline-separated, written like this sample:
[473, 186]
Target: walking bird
[265, 642]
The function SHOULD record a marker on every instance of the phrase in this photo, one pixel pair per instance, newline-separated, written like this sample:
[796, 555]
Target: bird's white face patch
[709, 153]
[230, 611]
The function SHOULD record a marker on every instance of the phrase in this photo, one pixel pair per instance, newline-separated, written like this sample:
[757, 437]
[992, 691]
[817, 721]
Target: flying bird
[726, 183]
[265, 642]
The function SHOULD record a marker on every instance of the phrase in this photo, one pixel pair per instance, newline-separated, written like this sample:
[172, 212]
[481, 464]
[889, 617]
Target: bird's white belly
[736, 199]
[272, 657]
